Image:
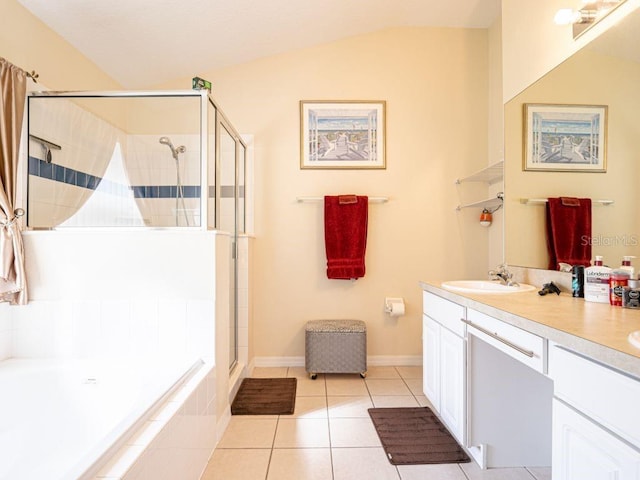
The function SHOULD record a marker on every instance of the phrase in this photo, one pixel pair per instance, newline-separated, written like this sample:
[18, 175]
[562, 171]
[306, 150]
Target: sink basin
[634, 338]
[484, 286]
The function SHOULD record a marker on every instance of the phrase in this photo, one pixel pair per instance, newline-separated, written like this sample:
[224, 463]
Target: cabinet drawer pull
[523, 351]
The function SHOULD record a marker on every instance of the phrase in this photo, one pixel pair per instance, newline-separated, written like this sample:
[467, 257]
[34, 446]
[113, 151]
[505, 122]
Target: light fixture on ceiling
[590, 12]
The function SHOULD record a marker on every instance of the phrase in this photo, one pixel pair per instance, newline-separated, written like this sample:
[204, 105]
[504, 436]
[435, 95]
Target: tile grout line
[326, 402]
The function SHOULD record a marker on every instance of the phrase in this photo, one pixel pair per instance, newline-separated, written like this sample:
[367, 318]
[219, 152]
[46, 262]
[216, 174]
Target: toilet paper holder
[394, 306]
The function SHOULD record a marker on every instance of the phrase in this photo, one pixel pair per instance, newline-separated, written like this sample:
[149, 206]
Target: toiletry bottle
[626, 265]
[631, 295]
[596, 282]
[617, 281]
[577, 281]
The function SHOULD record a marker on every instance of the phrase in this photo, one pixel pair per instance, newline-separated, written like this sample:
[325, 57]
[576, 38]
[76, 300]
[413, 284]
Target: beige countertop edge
[481, 302]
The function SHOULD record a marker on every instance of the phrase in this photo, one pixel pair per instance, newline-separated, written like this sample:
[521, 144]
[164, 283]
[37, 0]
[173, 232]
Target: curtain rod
[32, 75]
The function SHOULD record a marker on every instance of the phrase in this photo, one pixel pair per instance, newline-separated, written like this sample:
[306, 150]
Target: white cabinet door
[452, 367]
[431, 360]
[584, 451]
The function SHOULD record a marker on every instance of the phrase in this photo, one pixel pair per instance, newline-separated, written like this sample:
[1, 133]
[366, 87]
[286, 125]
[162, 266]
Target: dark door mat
[265, 396]
[415, 436]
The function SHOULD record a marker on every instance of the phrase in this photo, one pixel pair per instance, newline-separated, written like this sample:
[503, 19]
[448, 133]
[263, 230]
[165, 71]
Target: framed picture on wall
[565, 138]
[342, 134]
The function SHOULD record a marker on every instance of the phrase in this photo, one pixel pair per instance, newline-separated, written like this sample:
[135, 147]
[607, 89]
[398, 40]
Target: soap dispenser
[626, 265]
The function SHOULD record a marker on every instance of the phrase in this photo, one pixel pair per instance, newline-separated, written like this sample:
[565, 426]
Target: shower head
[174, 151]
[166, 141]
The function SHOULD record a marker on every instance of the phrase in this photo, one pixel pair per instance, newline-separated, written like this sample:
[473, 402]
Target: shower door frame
[222, 122]
[219, 119]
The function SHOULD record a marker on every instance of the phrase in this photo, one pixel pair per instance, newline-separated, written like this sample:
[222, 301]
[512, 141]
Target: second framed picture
[342, 134]
[565, 137]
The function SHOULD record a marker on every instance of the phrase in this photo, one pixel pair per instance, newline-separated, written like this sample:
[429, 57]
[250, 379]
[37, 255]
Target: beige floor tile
[349, 407]
[362, 464]
[424, 401]
[415, 385]
[474, 472]
[309, 407]
[391, 401]
[269, 372]
[299, 372]
[382, 372]
[305, 387]
[351, 385]
[540, 473]
[248, 431]
[300, 464]
[387, 387]
[410, 372]
[302, 433]
[353, 432]
[225, 464]
[449, 471]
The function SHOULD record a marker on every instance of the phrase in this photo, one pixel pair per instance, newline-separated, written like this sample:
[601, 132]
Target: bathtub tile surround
[262, 447]
[177, 440]
[143, 294]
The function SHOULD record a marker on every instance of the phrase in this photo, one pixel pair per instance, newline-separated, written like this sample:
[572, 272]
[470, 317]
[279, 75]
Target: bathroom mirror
[605, 72]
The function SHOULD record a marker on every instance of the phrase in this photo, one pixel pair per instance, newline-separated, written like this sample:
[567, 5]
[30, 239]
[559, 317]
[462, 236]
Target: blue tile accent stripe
[70, 176]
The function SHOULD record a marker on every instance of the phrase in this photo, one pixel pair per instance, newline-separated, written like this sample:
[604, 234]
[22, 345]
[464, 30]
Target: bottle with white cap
[596, 282]
[626, 265]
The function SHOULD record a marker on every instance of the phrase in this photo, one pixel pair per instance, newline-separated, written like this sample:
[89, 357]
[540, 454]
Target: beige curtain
[13, 90]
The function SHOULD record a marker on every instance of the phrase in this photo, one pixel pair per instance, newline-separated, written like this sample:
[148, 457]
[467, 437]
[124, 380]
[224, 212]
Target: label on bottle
[616, 290]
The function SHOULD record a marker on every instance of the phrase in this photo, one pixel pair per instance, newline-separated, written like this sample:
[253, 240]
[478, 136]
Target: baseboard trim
[372, 361]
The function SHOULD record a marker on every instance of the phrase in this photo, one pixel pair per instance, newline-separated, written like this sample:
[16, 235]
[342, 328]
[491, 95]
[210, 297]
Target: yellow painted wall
[28, 43]
[435, 83]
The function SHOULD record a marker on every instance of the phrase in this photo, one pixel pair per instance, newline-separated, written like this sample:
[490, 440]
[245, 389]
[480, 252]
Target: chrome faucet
[504, 275]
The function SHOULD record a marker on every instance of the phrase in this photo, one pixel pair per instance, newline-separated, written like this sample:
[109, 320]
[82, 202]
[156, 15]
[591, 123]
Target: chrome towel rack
[321, 199]
[542, 201]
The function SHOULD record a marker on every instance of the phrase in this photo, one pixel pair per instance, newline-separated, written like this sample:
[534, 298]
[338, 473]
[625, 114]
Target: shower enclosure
[141, 160]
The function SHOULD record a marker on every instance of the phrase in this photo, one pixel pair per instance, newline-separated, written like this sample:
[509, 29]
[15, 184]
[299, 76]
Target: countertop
[597, 330]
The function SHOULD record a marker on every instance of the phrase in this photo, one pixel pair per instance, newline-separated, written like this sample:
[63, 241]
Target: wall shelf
[491, 174]
[488, 203]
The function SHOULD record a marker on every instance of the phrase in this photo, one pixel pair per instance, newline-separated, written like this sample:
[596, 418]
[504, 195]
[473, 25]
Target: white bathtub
[64, 420]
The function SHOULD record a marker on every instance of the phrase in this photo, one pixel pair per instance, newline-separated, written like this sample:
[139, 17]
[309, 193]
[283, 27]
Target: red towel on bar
[569, 231]
[345, 235]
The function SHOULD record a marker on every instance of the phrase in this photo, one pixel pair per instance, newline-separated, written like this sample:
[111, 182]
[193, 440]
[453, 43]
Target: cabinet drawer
[609, 397]
[525, 347]
[444, 312]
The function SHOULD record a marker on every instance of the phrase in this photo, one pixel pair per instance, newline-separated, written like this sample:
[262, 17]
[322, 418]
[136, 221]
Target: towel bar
[321, 199]
[541, 201]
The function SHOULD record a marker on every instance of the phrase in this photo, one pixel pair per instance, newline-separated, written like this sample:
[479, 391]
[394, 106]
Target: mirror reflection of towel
[345, 235]
[569, 231]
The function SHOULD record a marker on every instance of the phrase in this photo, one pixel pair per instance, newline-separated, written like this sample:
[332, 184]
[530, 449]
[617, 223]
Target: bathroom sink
[634, 338]
[485, 286]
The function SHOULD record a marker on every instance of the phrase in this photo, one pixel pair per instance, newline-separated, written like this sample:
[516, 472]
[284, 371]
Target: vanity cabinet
[444, 361]
[596, 426]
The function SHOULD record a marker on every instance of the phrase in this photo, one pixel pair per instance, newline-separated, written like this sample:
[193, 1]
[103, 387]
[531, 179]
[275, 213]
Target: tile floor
[331, 437]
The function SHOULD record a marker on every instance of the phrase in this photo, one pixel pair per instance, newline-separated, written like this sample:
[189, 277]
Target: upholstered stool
[335, 346]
